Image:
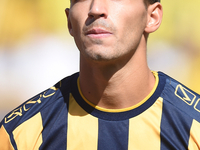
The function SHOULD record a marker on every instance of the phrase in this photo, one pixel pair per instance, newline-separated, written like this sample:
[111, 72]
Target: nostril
[96, 16]
[102, 15]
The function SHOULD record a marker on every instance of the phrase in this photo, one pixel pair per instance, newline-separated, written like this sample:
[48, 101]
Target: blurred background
[36, 50]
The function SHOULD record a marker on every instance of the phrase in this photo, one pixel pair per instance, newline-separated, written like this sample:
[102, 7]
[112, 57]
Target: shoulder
[50, 99]
[180, 97]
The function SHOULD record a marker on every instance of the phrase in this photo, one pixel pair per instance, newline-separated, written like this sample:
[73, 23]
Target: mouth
[98, 33]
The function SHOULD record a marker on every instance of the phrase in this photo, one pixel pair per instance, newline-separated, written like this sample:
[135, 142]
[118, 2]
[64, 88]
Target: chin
[101, 58]
[100, 54]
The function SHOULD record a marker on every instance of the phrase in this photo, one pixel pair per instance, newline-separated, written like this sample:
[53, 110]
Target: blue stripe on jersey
[55, 134]
[113, 135]
[116, 116]
[175, 128]
[55, 119]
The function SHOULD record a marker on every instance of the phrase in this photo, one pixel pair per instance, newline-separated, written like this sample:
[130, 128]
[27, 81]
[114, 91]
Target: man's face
[107, 29]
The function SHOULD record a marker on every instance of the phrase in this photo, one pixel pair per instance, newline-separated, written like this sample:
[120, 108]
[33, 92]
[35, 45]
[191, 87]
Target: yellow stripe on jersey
[5, 143]
[144, 129]
[82, 132]
[28, 135]
[194, 140]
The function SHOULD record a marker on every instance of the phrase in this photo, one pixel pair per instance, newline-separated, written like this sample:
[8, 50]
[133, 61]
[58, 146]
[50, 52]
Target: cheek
[76, 28]
[133, 16]
[134, 25]
[132, 28]
[75, 25]
[77, 19]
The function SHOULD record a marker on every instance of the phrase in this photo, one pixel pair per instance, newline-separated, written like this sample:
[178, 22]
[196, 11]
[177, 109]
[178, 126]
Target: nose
[98, 9]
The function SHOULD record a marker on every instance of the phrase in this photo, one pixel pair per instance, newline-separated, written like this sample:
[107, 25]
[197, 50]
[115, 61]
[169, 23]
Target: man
[115, 102]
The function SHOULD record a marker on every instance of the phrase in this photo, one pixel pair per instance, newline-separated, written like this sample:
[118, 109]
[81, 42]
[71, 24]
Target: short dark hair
[152, 1]
[149, 2]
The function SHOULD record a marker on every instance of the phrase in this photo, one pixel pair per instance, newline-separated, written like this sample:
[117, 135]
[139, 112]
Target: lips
[98, 32]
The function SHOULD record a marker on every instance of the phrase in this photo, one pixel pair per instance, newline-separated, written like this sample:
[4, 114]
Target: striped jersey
[61, 118]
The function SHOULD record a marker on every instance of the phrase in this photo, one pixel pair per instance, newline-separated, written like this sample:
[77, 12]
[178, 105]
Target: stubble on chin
[97, 41]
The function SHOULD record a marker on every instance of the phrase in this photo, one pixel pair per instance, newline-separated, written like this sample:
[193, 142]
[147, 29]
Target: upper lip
[97, 31]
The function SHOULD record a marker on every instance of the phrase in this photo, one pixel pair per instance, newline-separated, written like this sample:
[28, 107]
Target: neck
[117, 85]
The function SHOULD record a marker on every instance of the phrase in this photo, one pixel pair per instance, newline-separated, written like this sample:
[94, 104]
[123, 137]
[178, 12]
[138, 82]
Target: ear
[69, 21]
[154, 17]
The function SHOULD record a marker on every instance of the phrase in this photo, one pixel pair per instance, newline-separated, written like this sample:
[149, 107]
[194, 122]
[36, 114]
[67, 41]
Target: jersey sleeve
[22, 128]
